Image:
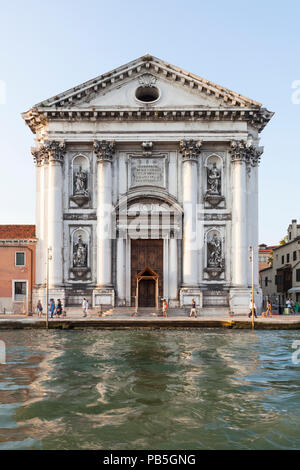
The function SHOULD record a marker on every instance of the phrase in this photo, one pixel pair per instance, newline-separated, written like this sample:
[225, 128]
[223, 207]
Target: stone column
[38, 156]
[104, 151]
[56, 152]
[244, 231]
[190, 153]
[255, 155]
[244, 158]
[121, 270]
[239, 256]
[173, 268]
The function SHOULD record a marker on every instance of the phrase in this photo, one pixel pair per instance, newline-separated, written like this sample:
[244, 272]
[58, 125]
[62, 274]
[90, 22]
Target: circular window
[147, 94]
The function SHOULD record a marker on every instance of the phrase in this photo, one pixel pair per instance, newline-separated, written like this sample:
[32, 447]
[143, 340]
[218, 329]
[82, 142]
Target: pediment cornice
[66, 105]
[36, 119]
[146, 64]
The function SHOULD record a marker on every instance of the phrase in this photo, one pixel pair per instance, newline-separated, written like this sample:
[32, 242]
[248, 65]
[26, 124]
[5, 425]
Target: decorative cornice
[104, 149]
[190, 149]
[37, 119]
[244, 151]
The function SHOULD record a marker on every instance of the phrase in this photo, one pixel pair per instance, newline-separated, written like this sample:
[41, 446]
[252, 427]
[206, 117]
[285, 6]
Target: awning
[294, 289]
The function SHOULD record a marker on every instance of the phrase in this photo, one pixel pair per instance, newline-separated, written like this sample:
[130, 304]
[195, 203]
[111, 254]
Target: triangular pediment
[147, 272]
[177, 88]
[178, 95]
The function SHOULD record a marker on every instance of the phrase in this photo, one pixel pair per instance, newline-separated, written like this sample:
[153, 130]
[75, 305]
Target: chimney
[292, 230]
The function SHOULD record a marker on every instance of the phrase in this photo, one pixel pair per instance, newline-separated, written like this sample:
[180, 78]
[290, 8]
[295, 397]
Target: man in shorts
[193, 312]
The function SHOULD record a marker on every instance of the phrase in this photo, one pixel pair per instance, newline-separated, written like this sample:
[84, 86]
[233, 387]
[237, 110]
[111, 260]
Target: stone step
[76, 311]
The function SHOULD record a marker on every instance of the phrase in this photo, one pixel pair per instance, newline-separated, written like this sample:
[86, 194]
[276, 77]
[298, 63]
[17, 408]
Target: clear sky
[251, 47]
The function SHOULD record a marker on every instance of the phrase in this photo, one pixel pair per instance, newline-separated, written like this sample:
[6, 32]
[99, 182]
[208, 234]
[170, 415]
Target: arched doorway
[147, 288]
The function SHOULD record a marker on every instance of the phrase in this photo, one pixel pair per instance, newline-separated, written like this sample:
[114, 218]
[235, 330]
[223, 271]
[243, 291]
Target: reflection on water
[204, 389]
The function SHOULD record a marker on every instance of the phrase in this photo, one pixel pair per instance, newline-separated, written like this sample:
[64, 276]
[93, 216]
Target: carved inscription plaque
[147, 171]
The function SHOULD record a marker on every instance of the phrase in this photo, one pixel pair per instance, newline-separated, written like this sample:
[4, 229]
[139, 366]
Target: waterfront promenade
[148, 318]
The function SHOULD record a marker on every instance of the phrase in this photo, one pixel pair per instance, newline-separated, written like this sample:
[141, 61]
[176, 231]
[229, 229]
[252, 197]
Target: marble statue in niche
[213, 195]
[80, 187]
[215, 257]
[79, 253]
[214, 247]
[80, 182]
[213, 180]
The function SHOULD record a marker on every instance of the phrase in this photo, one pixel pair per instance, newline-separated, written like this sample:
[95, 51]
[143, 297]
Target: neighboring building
[282, 279]
[17, 267]
[265, 256]
[147, 187]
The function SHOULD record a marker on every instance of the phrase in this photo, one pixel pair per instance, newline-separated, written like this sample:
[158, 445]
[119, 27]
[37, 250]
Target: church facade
[147, 188]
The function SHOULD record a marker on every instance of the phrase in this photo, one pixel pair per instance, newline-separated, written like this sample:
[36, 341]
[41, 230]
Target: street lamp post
[251, 258]
[49, 257]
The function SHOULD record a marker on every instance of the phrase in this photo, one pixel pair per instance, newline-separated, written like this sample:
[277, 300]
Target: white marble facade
[147, 151]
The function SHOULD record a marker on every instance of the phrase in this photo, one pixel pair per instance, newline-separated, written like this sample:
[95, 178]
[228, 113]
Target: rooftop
[16, 232]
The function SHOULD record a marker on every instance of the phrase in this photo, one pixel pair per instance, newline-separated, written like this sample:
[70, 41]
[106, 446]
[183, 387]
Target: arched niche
[214, 180]
[80, 253]
[80, 179]
[214, 253]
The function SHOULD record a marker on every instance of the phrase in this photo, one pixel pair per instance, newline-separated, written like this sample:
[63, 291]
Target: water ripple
[206, 389]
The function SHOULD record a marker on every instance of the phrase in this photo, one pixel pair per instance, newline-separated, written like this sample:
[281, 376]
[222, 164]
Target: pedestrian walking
[59, 308]
[254, 307]
[164, 307]
[296, 306]
[52, 308]
[193, 312]
[269, 309]
[39, 308]
[84, 307]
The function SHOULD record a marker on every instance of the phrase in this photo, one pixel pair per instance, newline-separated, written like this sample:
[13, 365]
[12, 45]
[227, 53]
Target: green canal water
[150, 389]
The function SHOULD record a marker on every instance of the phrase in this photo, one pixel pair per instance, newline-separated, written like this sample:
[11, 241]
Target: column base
[188, 293]
[239, 299]
[121, 302]
[258, 298]
[104, 296]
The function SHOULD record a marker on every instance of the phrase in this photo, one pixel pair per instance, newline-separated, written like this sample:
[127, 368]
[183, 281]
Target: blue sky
[251, 47]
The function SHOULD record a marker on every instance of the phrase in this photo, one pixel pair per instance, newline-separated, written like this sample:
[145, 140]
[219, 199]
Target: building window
[19, 291]
[298, 275]
[288, 258]
[282, 259]
[290, 235]
[294, 255]
[266, 281]
[20, 258]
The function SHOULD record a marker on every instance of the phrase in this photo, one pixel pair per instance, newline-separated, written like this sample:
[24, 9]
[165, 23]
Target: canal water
[150, 389]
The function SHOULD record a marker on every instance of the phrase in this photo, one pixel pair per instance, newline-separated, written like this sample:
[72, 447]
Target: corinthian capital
[243, 151]
[56, 150]
[190, 149]
[104, 149]
[40, 155]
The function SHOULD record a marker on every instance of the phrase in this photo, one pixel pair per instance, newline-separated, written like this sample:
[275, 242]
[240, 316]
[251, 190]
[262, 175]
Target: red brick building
[17, 267]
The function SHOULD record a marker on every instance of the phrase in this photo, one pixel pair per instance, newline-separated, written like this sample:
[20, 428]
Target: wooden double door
[146, 253]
